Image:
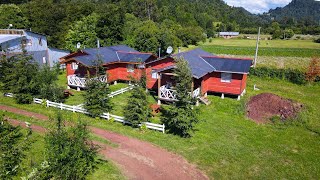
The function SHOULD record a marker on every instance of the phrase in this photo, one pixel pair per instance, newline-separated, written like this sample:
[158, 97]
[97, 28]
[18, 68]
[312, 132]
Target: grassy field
[309, 44]
[227, 145]
[269, 48]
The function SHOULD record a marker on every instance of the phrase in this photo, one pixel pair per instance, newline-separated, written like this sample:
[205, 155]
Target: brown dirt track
[136, 158]
[264, 106]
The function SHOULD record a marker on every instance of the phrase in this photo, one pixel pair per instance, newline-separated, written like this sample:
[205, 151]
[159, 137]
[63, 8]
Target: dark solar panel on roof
[198, 65]
[229, 65]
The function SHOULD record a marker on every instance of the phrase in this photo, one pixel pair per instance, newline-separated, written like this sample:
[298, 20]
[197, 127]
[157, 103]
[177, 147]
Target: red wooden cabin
[120, 63]
[210, 74]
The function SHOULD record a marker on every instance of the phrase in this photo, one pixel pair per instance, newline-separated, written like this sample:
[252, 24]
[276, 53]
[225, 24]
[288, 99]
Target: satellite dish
[169, 50]
[78, 45]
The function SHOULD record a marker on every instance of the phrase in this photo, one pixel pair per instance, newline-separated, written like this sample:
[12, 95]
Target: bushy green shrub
[292, 75]
[53, 93]
[23, 98]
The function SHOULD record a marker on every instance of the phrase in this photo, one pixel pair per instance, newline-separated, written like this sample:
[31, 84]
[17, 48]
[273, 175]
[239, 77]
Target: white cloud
[258, 6]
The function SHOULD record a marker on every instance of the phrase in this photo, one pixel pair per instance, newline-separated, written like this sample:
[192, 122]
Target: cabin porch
[166, 91]
[79, 82]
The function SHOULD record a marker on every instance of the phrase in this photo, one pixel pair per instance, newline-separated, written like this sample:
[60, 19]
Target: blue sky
[258, 6]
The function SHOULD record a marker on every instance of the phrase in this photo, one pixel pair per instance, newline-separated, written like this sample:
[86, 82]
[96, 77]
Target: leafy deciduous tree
[83, 31]
[12, 14]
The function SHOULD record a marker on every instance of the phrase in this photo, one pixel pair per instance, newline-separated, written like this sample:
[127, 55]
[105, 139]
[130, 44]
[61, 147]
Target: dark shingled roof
[198, 65]
[202, 63]
[120, 53]
[229, 64]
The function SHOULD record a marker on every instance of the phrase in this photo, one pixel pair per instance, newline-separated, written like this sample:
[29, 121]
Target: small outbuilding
[228, 35]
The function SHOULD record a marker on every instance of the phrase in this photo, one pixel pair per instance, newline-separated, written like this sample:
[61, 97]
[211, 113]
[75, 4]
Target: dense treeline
[160, 23]
[143, 24]
[303, 16]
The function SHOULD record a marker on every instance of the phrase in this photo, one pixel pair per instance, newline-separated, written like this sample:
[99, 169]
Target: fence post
[108, 115]
[73, 109]
[61, 106]
[163, 128]
[47, 101]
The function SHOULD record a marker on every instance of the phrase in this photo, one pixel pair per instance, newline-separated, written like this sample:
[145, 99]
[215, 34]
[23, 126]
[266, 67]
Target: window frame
[130, 68]
[226, 77]
[44, 60]
[74, 66]
[153, 72]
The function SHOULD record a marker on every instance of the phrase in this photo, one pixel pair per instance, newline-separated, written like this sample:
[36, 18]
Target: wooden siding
[81, 71]
[153, 83]
[212, 83]
[244, 82]
[119, 71]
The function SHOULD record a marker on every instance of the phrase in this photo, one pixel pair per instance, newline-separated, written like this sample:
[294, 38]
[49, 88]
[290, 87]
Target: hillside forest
[144, 25]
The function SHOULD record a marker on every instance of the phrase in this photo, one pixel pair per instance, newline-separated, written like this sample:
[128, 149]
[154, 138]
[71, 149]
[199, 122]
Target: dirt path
[137, 159]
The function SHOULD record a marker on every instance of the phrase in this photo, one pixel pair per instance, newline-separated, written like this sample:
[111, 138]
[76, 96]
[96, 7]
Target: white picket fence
[120, 91]
[108, 116]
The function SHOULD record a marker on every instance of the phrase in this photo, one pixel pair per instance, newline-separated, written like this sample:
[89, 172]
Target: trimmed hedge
[291, 75]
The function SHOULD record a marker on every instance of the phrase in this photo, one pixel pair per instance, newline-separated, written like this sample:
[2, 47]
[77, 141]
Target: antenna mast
[257, 48]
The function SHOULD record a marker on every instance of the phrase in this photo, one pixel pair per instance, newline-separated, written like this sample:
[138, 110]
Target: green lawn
[227, 145]
[36, 155]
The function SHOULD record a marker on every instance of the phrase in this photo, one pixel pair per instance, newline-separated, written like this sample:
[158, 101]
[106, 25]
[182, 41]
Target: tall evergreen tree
[18, 77]
[69, 152]
[180, 117]
[137, 109]
[96, 98]
[13, 145]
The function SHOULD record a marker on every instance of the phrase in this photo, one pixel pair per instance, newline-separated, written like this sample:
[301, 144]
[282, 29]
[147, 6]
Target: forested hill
[157, 22]
[298, 11]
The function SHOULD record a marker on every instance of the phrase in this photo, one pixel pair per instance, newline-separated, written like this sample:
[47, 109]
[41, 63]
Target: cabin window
[44, 60]
[154, 74]
[27, 42]
[130, 68]
[40, 41]
[226, 77]
[74, 66]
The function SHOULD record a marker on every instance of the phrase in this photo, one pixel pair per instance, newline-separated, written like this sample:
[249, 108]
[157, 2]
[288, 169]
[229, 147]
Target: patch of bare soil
[263, 107]
[136, 158]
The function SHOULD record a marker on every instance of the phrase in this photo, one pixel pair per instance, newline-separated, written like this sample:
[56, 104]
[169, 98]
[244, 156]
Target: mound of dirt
[266, 105]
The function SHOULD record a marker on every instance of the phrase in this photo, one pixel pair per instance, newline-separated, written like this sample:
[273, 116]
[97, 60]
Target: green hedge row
[291, 75]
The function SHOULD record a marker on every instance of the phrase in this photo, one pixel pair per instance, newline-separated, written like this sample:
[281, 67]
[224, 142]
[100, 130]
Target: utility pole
[257, 47]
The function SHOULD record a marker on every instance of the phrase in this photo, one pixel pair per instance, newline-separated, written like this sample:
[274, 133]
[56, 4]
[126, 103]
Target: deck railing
[171, 95]
[167, 94]
[77, 81]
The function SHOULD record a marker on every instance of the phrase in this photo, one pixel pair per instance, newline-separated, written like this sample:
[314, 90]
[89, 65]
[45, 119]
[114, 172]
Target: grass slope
[228, 145]
[36, 155]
